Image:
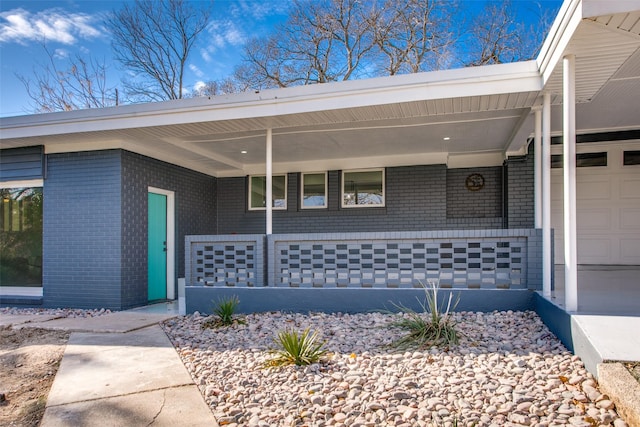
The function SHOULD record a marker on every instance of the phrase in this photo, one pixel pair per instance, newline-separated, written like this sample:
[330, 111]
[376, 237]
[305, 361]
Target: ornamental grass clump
[224, 310]
[434, 326]
[293, 348]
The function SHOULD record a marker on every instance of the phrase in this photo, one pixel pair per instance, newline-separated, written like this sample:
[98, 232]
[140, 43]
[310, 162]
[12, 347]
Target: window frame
[264, 208]
[326, 190]
[384, 188]
[557, 161]
[631, 160]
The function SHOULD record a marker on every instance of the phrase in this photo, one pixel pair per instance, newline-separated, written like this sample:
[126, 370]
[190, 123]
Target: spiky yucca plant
[224, 310]
[293, 348]
[434, 326]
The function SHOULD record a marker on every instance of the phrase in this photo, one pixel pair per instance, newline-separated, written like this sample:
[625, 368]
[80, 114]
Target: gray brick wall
[485, 203]
[416, 199]
[82, 230]
[520, 192]
[95, 221]
[195, 214]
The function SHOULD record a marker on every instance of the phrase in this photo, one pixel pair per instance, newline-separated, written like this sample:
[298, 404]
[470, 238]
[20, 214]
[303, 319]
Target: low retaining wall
[302, 300]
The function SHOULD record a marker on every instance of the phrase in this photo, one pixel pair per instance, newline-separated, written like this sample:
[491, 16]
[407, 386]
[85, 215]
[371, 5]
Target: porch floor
[608, 309]
[603, 290]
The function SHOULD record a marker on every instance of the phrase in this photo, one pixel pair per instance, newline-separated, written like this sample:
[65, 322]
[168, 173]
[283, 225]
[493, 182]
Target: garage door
[608, 204]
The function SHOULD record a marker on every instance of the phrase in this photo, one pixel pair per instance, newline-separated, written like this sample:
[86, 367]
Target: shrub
[296, 349]
[224, 310]
[434, 326]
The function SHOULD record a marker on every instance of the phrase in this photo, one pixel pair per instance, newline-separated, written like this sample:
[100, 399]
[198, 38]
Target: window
[631, 158]
[583, 160]
[363, 188]
[21, 236]
[258, 192]
[314, 190]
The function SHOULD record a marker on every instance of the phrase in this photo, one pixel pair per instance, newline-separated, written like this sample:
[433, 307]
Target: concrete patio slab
[615, 338]
[167, 407]
[122, 321]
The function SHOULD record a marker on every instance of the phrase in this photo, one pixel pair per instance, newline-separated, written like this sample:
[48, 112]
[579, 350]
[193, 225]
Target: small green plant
[434, 326]
[296, 349]
[224, 310]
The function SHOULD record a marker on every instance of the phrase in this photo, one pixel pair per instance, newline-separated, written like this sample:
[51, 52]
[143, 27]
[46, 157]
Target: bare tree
[497, 37]
[322, 41]
[413, 35]
[332, 40]
[82, 84]
[219, 87]
[152, 39]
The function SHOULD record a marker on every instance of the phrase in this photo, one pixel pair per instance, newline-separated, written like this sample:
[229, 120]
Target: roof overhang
[485, 112]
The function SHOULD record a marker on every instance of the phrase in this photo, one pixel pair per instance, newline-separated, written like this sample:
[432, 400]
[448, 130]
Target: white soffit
[600, 51]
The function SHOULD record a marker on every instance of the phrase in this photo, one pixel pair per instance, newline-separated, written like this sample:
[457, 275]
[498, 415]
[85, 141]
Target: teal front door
[157, 247]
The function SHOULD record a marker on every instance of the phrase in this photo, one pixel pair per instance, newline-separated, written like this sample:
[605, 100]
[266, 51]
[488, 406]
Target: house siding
[82, 230]
[22, 163]
[417, 198]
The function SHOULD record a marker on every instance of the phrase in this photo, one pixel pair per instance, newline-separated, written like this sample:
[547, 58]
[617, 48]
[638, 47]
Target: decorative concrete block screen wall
[509, 259]
[231, 260]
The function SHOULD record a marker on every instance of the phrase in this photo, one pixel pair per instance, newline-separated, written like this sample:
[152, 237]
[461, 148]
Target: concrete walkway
[122, 370]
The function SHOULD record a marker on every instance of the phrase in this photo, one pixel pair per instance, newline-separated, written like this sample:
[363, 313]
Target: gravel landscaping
[508, 369]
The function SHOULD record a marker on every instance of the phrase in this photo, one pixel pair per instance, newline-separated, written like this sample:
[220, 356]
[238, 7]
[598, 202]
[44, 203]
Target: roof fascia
[560, 35]
[475, 81]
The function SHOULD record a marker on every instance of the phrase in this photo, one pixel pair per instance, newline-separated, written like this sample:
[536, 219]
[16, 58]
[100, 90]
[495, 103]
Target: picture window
[258, 192]
[314, 190]
[364, 188]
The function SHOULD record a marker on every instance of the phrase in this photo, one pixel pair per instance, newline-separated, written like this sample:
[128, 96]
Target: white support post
[569, 165]
[537, 166]
[547, 261]
[269, 173]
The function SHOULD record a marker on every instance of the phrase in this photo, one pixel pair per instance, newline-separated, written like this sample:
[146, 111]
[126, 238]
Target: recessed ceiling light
[243, 152]
[446, 138]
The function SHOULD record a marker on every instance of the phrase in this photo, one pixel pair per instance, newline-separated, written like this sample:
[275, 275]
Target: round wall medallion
[474, 182]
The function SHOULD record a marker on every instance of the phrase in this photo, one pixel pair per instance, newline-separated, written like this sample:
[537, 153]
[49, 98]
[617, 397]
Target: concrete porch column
[537, 166]
[269, 179]
[569, 165]
[547, 260]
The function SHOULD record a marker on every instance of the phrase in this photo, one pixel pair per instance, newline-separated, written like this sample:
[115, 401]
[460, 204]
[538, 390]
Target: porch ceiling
[402, 120]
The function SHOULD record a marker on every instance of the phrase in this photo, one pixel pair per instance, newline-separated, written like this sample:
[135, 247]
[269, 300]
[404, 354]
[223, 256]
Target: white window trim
[286, 188]
[384, 189]
[326, 195]
[22, 184]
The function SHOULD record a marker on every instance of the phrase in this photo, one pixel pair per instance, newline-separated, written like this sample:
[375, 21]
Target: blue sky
[73, 27]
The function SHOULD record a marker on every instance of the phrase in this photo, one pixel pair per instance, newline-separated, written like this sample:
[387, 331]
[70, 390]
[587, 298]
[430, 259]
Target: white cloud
[195, 70]
[205, 55]
[51, 25]
[223, 34]
[199, 86]
[259, 10]
[60, 54]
